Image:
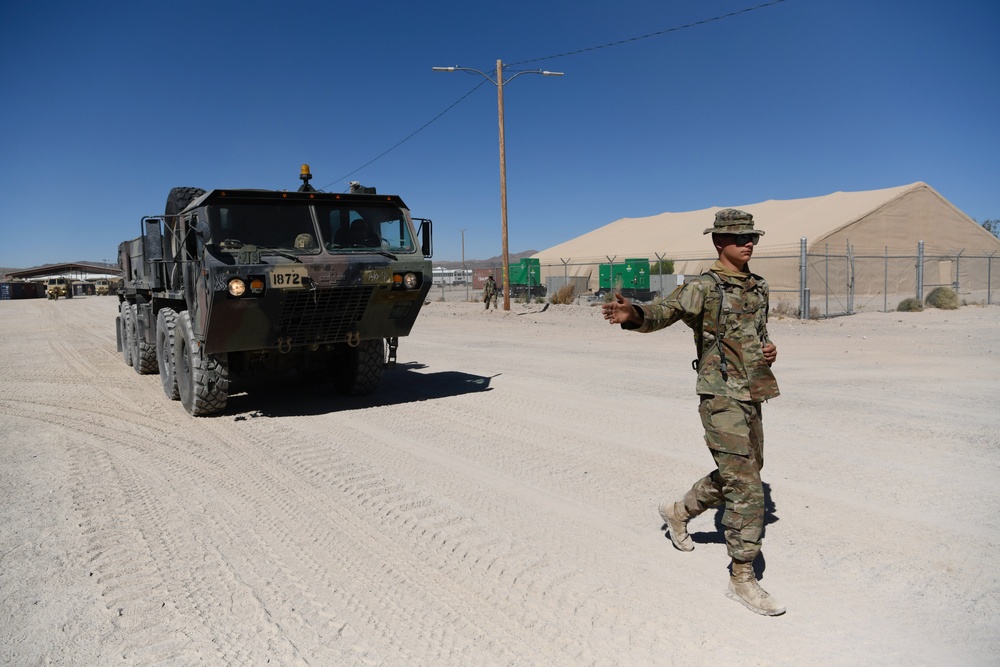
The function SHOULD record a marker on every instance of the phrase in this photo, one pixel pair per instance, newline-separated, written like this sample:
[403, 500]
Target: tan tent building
[881, 227]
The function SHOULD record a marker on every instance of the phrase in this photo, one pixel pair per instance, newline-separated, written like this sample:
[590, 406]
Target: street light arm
[456, 68]
[531, 71]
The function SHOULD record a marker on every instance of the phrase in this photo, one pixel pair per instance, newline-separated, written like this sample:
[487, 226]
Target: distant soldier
[727, 309]
[490, 292]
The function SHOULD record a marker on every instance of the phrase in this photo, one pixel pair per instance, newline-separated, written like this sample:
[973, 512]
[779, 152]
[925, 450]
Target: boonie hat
[733, 221]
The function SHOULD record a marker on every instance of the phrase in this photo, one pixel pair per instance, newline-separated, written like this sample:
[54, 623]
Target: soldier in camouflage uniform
[490, 292]
[726, 307]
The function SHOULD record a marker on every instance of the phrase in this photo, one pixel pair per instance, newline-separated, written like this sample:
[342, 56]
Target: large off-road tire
[359, 369]
[179, 198]
[202, 379]
[143, 353]
[166, 325]
[125, 324]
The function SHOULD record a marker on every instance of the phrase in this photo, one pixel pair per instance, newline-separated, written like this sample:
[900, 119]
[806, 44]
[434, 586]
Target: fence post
[850, 279]
[989, 278]
[826, 262]
[803, 313]
[885, 283]
[659, 263]
[920, 271]
[958, 266]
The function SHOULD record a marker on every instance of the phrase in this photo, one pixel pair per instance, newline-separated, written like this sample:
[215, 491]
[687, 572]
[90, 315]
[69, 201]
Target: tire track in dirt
[502, 572]
[202, 585]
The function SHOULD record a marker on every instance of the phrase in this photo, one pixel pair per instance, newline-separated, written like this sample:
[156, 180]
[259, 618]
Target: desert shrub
[784, 309]
[910, 305]
[944, 298]
[665, 266]
[566, 294]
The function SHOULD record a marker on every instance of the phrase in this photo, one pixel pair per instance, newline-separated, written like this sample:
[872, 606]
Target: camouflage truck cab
[232, 283]
[57, 287]
[102, 287]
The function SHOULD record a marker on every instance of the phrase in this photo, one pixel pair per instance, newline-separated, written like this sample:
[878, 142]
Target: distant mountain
[513, 257]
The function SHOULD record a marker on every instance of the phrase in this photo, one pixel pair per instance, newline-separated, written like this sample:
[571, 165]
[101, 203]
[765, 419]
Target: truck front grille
[323, 315]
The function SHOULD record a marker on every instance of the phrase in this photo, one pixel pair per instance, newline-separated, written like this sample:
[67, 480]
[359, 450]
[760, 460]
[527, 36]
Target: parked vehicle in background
[102, 287]
[57, 287]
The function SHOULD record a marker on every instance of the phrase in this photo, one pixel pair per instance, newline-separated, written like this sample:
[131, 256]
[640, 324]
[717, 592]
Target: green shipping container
[632, 275]
[526, 275]
[526, 270]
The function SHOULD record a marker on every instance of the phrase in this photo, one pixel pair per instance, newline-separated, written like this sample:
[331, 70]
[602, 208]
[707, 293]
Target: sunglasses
[743, 239]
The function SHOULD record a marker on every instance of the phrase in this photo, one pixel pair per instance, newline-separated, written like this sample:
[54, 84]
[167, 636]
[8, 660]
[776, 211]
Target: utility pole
[464, 277]
[500, 83]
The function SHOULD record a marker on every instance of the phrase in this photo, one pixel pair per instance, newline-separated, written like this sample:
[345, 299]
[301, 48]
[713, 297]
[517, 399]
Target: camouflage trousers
[735, 435]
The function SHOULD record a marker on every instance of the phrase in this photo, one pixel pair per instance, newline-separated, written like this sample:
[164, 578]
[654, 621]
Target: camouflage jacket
[489, 288]
[743, 328]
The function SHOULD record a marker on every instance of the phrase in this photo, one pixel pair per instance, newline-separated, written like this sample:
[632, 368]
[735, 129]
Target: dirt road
[495, 502]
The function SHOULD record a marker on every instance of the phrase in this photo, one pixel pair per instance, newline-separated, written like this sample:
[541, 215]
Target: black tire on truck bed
[179, 198]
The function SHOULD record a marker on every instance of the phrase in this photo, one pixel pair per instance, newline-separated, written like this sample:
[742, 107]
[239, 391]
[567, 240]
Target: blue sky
[104, 106]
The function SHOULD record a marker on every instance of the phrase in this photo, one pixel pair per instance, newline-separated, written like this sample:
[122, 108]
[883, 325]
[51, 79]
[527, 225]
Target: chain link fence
[810, 284]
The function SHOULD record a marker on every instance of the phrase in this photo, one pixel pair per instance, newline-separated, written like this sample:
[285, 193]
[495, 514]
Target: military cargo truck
[102, 287]
[57, 287]
[233, 283]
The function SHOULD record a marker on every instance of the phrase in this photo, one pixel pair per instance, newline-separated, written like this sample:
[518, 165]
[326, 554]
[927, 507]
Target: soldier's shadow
[718, 535]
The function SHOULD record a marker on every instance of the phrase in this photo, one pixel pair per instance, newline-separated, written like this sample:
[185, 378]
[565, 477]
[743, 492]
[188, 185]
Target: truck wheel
[166, 323]
[359, 369]
[179, 198]
[125, 321]
[202, 379]
[143, 353]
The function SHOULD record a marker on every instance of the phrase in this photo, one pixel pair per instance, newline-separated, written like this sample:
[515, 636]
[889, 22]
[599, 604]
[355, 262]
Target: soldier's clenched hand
[770, 353]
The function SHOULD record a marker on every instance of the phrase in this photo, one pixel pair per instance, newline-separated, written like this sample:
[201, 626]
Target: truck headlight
[237, 287]
[410, 281]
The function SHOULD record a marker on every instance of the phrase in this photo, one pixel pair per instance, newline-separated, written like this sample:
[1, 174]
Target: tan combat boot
[676, 516]
[743, 588]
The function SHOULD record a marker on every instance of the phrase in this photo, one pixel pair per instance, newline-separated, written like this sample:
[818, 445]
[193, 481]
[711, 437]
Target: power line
[652, 34]
[558, 55]
[407, 138]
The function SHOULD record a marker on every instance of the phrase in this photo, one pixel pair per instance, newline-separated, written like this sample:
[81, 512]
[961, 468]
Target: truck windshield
[285, 227]
[343, 227]
[352, 225]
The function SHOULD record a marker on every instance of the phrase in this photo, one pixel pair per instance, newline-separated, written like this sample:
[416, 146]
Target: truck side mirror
[426, 240]
[153, 246]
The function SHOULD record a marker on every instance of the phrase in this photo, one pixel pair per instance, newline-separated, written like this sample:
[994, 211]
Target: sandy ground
[495, 502]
